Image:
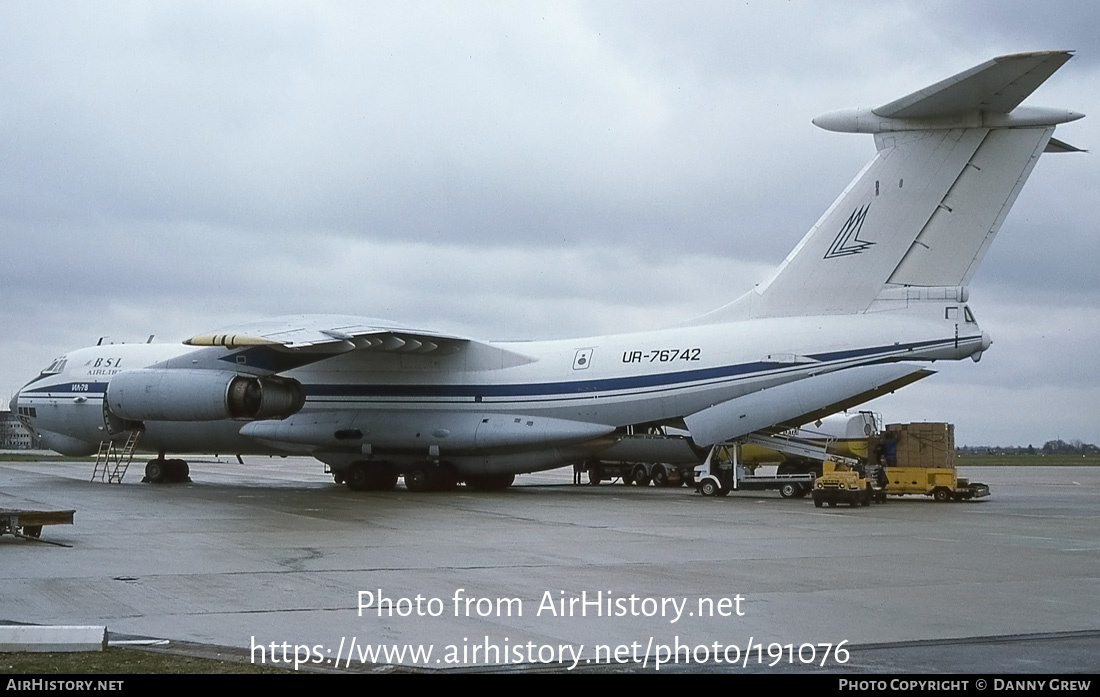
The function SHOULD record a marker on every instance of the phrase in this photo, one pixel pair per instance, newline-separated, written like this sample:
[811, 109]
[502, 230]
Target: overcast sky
[509, 170]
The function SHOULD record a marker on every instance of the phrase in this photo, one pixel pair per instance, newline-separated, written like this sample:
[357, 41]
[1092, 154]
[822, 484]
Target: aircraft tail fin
[950, 161]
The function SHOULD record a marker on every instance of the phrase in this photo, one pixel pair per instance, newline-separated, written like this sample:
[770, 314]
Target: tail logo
[847, 241]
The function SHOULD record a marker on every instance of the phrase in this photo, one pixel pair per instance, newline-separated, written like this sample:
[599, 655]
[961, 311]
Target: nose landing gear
[162, 471]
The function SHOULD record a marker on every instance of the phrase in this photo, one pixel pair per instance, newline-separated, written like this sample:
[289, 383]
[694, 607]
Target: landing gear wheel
[357, 477]
[419, 480]
[178, 471]
[640, 476]
[445, 477]
[385, 480]
[156, 471]
[368, 476]
[490, 482]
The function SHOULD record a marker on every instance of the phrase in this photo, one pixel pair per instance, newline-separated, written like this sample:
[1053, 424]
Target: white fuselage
[485, 401]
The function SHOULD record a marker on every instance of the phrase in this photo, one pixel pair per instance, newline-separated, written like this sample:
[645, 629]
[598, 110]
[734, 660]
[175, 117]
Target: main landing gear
[419, 478]
[490, 482]
[368, 476]
[161, 471]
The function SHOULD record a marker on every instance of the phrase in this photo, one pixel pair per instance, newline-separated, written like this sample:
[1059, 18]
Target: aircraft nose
[14, 403]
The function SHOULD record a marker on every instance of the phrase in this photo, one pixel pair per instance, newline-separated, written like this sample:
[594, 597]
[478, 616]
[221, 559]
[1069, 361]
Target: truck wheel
[660, 476]
[789, 490]
[818, 503]
[941, 495]
[709, 487]
[640, 476]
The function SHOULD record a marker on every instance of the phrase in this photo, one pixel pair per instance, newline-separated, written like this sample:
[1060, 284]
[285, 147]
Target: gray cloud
[504, 171]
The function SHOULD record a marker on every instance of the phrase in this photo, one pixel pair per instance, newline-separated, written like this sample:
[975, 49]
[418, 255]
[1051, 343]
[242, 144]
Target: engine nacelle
[201, 395]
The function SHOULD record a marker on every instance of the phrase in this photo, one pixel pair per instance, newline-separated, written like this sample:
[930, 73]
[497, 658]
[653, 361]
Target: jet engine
[201, 395]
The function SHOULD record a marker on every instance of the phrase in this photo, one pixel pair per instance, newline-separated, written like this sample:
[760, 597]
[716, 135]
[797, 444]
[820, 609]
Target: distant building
[15, 436]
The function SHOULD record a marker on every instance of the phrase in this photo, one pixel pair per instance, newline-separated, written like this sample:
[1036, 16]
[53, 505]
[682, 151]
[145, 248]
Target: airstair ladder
[817, 449]
[789, 445]
[111, 462]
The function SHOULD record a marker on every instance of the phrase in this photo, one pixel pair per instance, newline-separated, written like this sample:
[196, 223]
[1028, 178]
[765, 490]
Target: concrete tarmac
[272, 558]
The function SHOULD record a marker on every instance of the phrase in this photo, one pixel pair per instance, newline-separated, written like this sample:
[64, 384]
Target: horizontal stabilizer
[997, 86]
[1055, 145]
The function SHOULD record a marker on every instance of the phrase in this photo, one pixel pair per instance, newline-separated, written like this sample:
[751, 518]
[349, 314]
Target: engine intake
[201, 395]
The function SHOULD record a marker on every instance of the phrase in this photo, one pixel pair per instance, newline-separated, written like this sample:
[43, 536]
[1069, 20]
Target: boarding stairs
[111, 462]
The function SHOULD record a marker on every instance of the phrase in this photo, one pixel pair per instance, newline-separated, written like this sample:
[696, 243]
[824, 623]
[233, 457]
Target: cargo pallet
[29, 524]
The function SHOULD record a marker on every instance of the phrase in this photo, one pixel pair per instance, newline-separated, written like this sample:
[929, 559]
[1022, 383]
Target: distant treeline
[1051, 447]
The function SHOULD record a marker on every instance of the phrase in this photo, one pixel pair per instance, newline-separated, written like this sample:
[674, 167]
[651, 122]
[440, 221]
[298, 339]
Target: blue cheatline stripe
[537, 388]
[600, 385]
[86, 387]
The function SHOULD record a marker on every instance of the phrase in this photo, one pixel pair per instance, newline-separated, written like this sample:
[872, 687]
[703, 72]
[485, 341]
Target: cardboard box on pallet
[930, 445]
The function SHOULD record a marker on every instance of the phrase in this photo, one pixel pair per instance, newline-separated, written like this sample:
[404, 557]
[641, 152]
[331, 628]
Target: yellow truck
[846, 482]
[920, 459]
[942, 484]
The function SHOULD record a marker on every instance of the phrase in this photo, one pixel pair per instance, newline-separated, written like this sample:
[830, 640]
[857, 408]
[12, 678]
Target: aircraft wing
[330, 334]
[283, 343]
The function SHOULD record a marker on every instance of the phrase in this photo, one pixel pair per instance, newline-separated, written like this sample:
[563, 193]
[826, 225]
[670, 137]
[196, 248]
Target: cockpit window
[969, 315]
[56, 367]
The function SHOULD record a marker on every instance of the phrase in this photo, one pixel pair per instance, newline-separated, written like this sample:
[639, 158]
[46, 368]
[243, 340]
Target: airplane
[874, 291]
